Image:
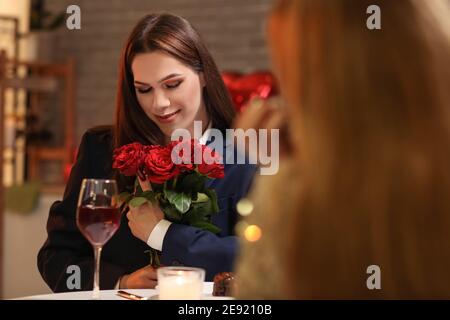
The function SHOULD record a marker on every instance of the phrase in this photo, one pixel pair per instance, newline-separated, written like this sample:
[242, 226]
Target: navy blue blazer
[124, 253]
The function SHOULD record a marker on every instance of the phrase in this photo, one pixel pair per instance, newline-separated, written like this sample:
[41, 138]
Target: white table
[112, 294]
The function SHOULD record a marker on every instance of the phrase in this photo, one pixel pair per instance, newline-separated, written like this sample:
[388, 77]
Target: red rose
[210, 165]
[128, 158]
[158, 164]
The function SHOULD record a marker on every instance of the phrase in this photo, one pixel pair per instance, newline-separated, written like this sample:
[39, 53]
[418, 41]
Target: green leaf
[137, 187]
[172, 214]
[150, 196]
[199, 212]
[206, 226]
[124, 196]
[158, 188]
[212, 195]
[180, 200]
[191, 183]
[201, 197]
[137, 201]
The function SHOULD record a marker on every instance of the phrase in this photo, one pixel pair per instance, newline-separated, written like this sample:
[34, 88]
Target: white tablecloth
[112, 294]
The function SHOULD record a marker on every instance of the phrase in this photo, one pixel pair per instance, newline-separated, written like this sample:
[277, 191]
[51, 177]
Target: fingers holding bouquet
[265, 117]
[143, 219]
[143, 181]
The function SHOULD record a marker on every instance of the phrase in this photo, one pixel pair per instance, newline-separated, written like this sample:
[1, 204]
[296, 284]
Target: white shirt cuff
[156, 238]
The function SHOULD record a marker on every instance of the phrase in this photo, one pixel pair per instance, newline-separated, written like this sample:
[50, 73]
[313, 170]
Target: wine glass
[98, 217]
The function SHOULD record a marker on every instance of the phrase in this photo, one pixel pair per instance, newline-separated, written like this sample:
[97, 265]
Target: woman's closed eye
[170, 85]
[173, 85]
[144, 90]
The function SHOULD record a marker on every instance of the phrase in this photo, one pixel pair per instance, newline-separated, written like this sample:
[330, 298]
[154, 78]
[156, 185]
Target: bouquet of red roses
[178, 173]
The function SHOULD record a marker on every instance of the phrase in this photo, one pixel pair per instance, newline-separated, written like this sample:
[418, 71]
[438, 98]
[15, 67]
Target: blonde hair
[369, 119]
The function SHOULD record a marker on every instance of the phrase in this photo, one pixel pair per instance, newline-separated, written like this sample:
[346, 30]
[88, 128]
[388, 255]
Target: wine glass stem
[96, 292]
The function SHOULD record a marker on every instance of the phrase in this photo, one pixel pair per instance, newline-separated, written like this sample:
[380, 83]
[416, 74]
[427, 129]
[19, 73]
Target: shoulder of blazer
[101, 135]
[99, 146]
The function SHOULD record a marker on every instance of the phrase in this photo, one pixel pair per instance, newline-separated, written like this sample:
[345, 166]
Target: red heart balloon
[243, 88]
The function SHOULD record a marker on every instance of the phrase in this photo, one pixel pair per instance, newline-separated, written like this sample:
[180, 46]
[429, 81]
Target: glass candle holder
[180, 283]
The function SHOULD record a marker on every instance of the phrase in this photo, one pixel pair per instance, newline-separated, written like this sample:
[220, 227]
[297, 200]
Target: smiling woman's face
[168, 91]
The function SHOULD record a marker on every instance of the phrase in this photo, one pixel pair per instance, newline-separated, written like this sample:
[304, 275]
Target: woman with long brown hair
[361, 206]
[167, 81]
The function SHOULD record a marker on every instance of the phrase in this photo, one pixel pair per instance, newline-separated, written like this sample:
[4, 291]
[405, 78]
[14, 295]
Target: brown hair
[175, 36]
[369, 117]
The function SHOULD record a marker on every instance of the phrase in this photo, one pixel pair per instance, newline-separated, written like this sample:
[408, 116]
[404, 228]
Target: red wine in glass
[98, 218]
[98, 224]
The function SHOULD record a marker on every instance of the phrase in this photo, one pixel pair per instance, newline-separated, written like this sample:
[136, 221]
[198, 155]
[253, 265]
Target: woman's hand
[143, 219]
[264, 114]
[144, 278]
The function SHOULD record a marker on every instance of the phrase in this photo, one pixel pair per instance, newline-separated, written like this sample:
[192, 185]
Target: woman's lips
[168, 117]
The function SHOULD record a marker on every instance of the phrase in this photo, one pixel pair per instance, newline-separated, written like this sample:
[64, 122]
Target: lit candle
[180, 283]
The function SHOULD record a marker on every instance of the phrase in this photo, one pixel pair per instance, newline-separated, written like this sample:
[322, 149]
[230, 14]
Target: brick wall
[234, 31]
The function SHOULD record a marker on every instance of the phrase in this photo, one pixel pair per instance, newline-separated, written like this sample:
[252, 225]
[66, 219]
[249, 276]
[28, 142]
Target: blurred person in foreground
[366, 180]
